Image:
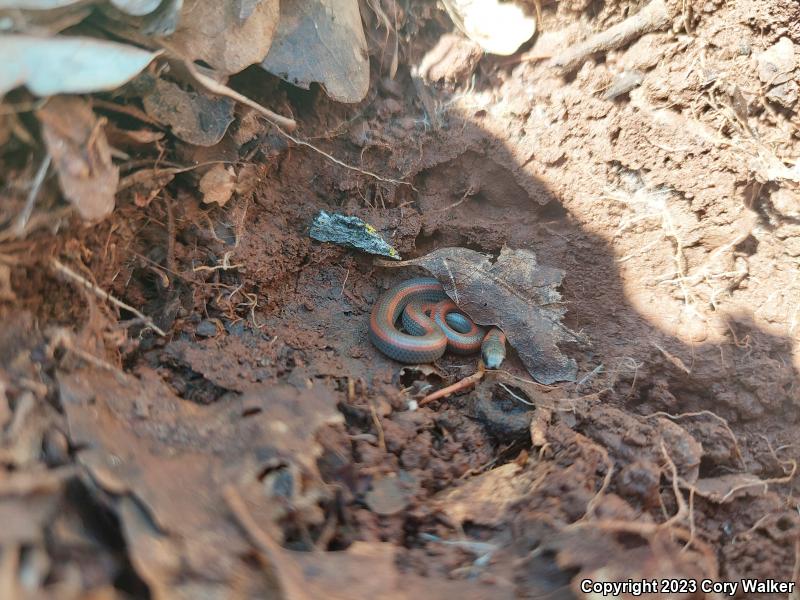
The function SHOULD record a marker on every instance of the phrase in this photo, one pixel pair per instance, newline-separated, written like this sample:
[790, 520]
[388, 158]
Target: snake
[433, 323]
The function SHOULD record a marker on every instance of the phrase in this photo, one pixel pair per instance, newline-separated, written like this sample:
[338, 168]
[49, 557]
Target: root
[652, 17]
[103, 295]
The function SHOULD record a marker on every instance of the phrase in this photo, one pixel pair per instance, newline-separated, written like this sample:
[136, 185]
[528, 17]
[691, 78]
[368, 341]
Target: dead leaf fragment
[453, 58]
[219, 34]
[321, 41]
[146, 184]
[77, 143]
[218, 184]
[192, 116]
[516, 294]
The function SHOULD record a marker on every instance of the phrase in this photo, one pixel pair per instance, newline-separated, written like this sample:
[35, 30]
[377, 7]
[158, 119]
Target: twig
[333, 159]
[456, 387]
[344, 283]
[378, 426]
[652, 17]
[516, 396]
[223, 90]
[170, 233]
[102, 294]
[25, 215]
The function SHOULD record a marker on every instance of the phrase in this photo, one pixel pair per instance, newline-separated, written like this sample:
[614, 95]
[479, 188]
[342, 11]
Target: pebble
[784, 94]
[206, 328]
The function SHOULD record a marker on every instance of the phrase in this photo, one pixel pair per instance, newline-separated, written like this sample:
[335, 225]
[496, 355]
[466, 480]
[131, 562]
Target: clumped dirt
[266, 409]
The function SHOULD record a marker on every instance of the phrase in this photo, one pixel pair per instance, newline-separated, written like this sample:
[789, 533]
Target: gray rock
[777, 62]
[206, 328]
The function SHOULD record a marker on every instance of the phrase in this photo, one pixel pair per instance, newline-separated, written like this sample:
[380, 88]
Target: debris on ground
[351, 232]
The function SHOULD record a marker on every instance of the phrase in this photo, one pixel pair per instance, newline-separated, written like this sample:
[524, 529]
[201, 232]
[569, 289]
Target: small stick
[223, 90]
[652, 17]
[102, 294]
[456, 387]
[378, 426]
[22, 221]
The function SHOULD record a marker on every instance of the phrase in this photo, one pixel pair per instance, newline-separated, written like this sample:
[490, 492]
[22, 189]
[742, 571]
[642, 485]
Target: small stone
[777, 62]
[623, 83]
[784, 94]
[206, 328]
[235, 328]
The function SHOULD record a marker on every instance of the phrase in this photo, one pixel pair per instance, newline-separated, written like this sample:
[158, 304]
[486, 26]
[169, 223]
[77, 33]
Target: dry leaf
[218, 34]
[194, 117]
[77, 143]
[516, 294]
[218, 184]
[67, 65]
[321, 41]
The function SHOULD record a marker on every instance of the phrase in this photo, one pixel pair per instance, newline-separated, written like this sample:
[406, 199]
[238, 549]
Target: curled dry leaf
[145, 184]
[219, 34]
[67, 65]
[516, 294]
[499, 27]
[453, 58]
[194, 117]
[218, 184]
[127, 19]
[166, 461]
[76, 141]
[321, 41]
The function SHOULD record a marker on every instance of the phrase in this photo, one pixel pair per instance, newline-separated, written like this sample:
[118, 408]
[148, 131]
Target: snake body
[433, 324]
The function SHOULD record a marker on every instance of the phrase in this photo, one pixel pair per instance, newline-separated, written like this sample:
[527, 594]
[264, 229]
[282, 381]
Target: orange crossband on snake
[433, 323]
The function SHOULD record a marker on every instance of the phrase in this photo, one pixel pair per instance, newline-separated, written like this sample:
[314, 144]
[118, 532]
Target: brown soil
[681, 264]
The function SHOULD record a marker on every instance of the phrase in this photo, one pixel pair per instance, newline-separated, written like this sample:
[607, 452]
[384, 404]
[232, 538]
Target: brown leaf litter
[75, 139]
